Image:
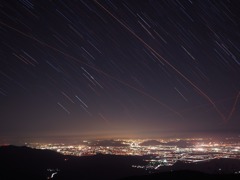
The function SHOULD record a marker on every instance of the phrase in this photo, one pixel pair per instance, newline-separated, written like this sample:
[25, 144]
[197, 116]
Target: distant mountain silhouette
[27, 163]
[151, 143]
[107, 143]
[180, 143]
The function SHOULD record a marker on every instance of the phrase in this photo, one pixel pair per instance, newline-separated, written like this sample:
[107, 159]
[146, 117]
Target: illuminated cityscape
[157, 152]
[110, 89]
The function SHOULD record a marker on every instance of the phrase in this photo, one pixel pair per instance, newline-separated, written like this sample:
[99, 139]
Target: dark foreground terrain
[27, 163]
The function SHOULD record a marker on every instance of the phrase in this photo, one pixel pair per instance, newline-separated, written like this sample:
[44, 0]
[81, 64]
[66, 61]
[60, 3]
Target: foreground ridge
[29, 163]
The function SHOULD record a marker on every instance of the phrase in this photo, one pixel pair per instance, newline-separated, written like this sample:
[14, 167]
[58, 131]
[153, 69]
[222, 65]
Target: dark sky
[119, 68]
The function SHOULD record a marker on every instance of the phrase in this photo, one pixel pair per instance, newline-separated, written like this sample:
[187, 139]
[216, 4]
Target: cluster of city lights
[166, 153]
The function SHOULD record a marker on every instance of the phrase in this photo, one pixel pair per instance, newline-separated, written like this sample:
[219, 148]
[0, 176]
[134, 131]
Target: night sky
[120, 68]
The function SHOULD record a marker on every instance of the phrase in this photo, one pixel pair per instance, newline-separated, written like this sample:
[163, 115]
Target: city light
[166, 153]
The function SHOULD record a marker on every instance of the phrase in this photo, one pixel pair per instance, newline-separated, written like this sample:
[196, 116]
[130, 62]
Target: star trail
[106, 68]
